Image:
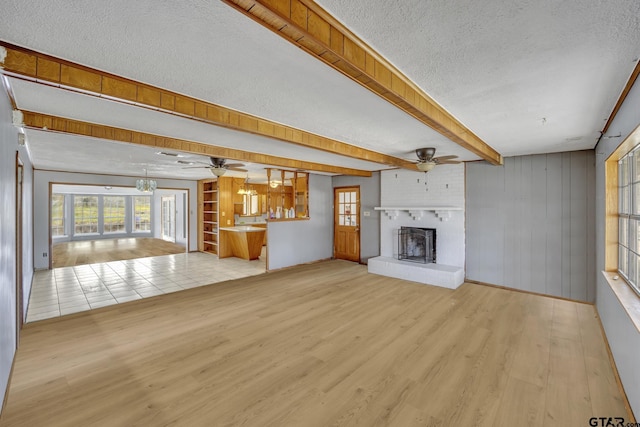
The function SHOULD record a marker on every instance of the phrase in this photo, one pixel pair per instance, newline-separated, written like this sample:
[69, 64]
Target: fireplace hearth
[417, 244]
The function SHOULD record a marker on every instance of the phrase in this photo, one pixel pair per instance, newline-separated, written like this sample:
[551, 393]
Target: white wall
[8, 148]
[624, 338]
[443, 186]
[42, 179]
[297, 242]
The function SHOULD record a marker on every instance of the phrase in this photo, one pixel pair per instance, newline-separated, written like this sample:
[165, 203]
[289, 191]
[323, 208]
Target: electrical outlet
[223, 213]
[366, 213]
[228, 222]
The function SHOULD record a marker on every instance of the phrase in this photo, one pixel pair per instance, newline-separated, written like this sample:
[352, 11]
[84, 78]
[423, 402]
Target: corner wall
[291, 243]
[8, 274]
[623, 337]
[531, 222]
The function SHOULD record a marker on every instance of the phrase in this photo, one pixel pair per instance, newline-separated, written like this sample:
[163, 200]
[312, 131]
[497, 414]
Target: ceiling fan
[216, 165]
[427, 161]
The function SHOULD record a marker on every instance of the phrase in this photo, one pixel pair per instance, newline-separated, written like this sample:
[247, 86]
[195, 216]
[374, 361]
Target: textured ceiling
[527, 77]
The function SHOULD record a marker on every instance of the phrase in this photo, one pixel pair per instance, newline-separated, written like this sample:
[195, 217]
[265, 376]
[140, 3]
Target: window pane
[624, 231]
[57, 215]
[85, 211]
[142, 213]
[636, 166]
[114, 214]
[635, 192]
[354, 221]
[631, 275]
[636, 262]
[633, 235]
[622, 260]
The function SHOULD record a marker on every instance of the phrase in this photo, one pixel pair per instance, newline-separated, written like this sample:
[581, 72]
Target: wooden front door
[346, 223]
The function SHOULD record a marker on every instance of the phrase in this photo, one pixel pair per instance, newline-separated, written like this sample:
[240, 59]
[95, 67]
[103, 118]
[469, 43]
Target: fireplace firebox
[417, 244]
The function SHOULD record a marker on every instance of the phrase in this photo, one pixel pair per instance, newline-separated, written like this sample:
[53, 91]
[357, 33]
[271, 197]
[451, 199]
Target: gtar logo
[606, 422]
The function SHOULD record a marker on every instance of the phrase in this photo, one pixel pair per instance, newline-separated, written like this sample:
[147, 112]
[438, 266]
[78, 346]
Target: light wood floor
[319, 345]
[68, 254]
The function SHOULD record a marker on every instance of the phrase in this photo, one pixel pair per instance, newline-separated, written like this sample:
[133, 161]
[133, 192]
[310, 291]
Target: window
[113, 211]
[142, 213]
[57, 215]
[629, 218]
[85, 210]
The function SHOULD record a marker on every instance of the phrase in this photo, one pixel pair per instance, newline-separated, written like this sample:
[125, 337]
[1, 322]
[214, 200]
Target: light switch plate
[366, 213]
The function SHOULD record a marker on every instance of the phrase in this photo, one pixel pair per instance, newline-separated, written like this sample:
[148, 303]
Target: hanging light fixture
[246, 188]
[145, 184]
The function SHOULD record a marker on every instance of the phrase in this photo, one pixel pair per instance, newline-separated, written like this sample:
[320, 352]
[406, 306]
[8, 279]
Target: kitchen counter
[243, 241]
[242, 228]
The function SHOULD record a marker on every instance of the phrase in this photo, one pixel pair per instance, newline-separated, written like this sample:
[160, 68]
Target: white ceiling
[527, 77]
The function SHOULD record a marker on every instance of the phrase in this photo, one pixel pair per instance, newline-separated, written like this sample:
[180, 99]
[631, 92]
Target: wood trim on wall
[75, 127]
[611, 198]
[611, 216]
[623, 96]
[309, 27]
[44, 69]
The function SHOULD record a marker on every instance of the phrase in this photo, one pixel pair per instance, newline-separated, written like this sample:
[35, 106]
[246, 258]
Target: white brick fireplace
[432, 200]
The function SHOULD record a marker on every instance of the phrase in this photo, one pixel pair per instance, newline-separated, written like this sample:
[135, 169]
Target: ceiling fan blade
[448, 162]
[198, 167]
[238, 170]
[233, 165]
[445, 157]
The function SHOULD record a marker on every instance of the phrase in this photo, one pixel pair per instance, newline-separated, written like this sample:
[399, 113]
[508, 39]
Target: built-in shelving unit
[208, 216]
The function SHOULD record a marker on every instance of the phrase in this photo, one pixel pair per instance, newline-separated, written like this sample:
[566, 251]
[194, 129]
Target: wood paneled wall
[530, 224]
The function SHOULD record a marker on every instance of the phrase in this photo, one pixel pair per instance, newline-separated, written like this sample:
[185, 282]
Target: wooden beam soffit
[311, 28]
[44, 69]
[75, 127]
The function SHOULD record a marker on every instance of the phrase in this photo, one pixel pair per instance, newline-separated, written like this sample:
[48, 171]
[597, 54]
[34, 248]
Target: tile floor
[69, 290]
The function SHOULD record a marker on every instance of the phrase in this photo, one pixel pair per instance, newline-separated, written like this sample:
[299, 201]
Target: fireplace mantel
[417, 212]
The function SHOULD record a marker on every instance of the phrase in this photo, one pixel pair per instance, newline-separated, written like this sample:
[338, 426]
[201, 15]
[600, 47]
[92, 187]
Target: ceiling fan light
[425, 166]
[274, 184]
[218, 171]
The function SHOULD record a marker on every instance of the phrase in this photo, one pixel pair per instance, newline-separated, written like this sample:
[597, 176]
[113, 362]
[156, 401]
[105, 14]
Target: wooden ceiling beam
[311, 28]
[75, 127]
[40, 68]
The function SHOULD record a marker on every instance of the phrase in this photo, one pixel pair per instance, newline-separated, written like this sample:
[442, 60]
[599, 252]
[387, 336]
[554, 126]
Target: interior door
[346, 223]
[168, 218]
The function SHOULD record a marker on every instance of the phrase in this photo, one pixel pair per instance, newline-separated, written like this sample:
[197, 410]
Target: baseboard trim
[6, 392]
[294, 266]
[506, 288]
[627, 405]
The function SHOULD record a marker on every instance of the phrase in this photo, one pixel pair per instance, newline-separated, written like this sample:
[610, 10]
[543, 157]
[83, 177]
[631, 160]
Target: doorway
[168, 218]
[346, 223]
[19, 210]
